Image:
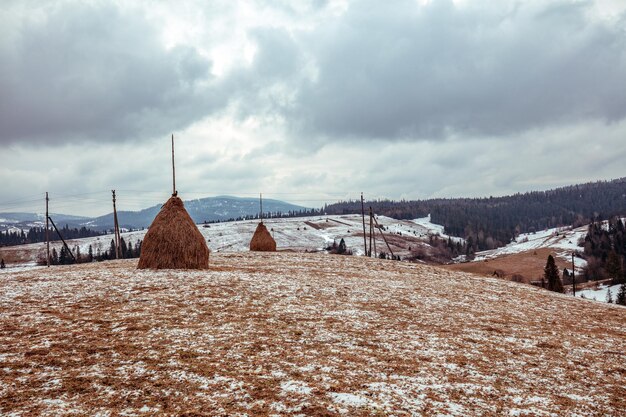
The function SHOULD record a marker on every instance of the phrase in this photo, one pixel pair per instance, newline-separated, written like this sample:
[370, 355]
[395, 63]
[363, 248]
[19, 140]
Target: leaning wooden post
[573, 275]
[47, 234]
[371, 233]
[363, 217]
[374, 233]
[67, 248]
[384, 238]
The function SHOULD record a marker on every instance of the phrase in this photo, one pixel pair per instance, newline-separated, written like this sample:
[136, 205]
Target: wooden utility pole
[116, 230]
[573, 276]
[47, 235]
[174, 193]
[261, 205]
[371, 233]
[363, 217]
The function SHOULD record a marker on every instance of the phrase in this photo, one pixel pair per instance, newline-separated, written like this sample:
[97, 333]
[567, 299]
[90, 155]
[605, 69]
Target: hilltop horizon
[104, 199]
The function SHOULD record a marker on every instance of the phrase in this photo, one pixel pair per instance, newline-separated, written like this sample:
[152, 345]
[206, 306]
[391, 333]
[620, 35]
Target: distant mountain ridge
[208, 209]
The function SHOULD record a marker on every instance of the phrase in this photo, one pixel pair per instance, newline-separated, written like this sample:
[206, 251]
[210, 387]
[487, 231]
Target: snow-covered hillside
[563, 240]
[296, 234]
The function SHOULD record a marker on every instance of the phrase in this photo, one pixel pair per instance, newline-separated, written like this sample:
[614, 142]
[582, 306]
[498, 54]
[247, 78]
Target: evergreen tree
[621, 295]
[342, 247]
[609, 296]
[614, 267]
[123, 248]
[54, 258]
[552, 276]
[63, 256]
[112, 250]
[90, 254]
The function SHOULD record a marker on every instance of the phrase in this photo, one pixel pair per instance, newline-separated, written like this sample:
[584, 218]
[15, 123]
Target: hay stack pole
[173, 240]
[174, 192]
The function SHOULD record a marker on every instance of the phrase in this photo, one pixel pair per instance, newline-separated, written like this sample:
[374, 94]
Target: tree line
[38, 234]
[487, 223]
[271, 215]
[63, 257]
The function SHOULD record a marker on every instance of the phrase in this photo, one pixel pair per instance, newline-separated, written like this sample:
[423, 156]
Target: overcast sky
[307, 101]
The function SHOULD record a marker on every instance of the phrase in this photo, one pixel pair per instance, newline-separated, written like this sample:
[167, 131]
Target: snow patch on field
[297, 387]
[600, 293]
[351, 400]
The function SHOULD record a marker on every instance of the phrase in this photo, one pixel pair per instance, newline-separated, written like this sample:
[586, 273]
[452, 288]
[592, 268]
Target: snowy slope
[296, 234]
[563, 240]
[435, 229]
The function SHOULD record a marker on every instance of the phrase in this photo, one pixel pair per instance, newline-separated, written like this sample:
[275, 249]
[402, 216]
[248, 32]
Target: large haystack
[173, 241]
[262, 241]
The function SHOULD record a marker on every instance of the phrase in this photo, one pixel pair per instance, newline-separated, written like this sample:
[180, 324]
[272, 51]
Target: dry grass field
[22, 254]
[302, 334]
[529, 264]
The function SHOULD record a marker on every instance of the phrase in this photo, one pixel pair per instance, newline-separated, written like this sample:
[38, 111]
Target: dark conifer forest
[38, 234]
[491, 222]
[605, 251]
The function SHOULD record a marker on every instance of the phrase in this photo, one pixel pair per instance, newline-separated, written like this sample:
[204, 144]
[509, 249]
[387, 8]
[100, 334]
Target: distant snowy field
[300, 234]
[563, 240]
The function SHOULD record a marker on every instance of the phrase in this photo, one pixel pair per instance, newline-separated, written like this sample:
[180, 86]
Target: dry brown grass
[529, 264]
[311, 334]
[173, 240]
[18, 254]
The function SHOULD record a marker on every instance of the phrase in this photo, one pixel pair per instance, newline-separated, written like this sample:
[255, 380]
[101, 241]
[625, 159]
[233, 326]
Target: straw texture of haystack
[173, 241]
[262, 241]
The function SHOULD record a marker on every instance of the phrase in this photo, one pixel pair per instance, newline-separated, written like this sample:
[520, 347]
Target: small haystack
[262, 241]
[173, 241]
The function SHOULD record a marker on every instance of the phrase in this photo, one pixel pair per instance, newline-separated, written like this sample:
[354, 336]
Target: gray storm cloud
[409, 71]
[88, 72]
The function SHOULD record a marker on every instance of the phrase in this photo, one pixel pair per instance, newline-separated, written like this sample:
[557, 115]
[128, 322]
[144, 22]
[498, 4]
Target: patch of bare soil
[529, 264]
[310, 334]
[317, 226]
[20, 254]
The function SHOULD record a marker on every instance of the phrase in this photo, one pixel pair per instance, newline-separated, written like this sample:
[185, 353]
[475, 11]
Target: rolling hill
[302, 334]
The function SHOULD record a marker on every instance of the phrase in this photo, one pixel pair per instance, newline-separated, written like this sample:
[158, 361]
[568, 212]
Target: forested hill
[495, 221]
